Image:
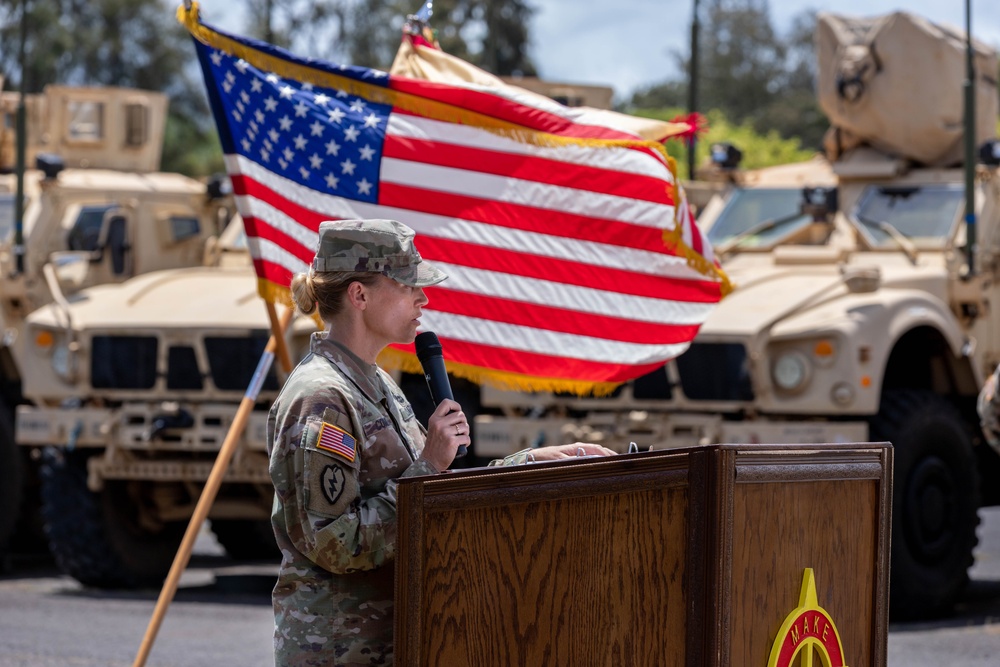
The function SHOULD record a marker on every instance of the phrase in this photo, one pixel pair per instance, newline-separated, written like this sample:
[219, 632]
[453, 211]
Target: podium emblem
[808, 630]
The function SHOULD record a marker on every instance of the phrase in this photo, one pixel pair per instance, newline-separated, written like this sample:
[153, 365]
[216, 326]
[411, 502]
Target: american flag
[574, 263]
[336, 440]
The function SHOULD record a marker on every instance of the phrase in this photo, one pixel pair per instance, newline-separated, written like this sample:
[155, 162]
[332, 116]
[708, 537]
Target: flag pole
[278, 335]
[212, 487]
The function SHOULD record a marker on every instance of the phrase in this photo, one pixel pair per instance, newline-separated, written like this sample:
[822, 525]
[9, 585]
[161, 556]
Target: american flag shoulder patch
[336, 441]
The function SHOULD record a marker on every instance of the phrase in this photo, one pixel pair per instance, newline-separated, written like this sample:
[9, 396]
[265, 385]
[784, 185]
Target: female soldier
[340, 433]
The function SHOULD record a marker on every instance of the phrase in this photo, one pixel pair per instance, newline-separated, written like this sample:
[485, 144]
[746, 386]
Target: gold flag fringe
[274, 293]
[672, 238]
[395, 359]
[278, 294]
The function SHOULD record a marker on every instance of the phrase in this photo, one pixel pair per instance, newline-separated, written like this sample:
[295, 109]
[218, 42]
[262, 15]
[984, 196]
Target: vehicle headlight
[59, 350]
[790, 371]
[62, 361]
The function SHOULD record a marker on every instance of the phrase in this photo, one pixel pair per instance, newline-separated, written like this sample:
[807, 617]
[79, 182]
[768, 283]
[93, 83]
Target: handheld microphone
[432, 361]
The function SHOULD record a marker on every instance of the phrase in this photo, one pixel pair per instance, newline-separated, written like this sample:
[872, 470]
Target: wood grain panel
[684, 557]
[781, 528]
[582, 581]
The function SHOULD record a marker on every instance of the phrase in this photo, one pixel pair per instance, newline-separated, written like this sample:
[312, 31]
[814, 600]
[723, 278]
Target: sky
[628, 44]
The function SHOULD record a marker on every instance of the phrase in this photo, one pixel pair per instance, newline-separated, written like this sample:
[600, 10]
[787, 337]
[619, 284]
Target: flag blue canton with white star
[326, 139]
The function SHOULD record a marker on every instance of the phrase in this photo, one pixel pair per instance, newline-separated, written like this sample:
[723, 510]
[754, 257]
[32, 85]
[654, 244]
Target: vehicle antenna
[970, 145]
[21, 147]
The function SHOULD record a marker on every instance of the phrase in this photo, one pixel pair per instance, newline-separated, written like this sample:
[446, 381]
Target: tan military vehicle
[858, 314]
[134, 389]
[96, 210]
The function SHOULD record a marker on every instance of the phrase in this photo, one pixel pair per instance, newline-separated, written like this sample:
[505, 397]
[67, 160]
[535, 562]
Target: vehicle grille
[130, 362]
[715, 372]
[123, 362]
[182, 368]
[232, 361]
[653, 386]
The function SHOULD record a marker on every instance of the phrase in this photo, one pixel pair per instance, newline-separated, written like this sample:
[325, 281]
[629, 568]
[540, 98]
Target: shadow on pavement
[979, 606]
[207, 578]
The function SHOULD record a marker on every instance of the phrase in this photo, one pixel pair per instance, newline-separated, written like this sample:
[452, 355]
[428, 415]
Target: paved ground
[222, 616]
[971, 638]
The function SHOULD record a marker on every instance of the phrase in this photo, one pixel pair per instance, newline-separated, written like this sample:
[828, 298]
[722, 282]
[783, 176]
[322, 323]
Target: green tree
[673, 93]
[749, 72]
[136, 43]
[505, 45]
[491, 34]
[128, 43]
[111, 42]
[795, 110]
[759, 149]
[314, 27]
[40, 64]
[743, 59]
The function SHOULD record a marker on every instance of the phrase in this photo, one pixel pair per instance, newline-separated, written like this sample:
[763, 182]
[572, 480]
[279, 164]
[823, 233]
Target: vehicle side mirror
[115, 241]
[818, 202]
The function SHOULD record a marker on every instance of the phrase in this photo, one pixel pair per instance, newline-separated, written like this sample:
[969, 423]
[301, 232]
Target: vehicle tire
[246, 539]
[12, 487]
[96, 538]
[934, 505]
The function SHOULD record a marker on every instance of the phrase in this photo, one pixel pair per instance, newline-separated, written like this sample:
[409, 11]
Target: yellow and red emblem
[807, 629]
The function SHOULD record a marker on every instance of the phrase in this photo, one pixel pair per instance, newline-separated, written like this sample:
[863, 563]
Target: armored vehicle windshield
[924, 214]
[759, 217]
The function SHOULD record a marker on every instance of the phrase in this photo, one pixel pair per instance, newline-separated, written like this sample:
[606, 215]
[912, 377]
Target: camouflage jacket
[988, 407]
[339, 434]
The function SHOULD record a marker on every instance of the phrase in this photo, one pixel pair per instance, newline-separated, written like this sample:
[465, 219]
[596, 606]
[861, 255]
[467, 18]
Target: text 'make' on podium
[722, 555]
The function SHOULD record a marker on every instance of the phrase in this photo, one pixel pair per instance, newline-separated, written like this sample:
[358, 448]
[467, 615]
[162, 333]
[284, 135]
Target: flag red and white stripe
[572, 265]
[337, 441]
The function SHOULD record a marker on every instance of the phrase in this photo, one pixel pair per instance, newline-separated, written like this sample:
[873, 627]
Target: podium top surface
[819, 453]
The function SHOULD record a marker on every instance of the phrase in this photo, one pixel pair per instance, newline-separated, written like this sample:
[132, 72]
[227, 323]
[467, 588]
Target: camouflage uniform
[988, 407]
[334, 517]
[515, 459]
[375, 246]
[339, 434]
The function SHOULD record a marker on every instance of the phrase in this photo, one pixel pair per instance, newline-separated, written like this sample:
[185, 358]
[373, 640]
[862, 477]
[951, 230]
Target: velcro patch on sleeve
[337, 441]
[331, 486]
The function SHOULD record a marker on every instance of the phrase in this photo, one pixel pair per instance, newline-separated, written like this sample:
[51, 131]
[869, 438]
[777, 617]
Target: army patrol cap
[375, 246]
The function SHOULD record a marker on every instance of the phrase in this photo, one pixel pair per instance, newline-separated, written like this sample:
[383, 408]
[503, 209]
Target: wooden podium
[724, 555]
